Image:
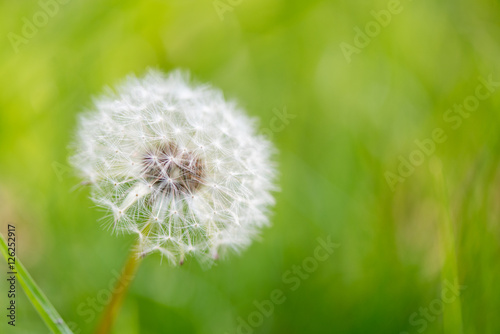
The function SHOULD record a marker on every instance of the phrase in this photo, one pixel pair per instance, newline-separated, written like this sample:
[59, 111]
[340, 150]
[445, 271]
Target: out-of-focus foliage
[350, 123]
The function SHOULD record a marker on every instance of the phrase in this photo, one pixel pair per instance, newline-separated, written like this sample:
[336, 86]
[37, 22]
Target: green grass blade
[36, 296]
[452, 312]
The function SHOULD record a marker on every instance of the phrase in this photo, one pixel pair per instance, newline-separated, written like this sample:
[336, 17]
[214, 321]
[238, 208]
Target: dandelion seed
[183, 157]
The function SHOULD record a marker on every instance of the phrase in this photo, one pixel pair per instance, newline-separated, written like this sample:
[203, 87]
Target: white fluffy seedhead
[176, 164]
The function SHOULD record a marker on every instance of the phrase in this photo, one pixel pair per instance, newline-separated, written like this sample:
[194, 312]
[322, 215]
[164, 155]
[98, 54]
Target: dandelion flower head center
[173, 171]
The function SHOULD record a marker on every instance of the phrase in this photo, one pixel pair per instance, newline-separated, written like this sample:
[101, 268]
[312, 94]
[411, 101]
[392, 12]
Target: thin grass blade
[43, 306]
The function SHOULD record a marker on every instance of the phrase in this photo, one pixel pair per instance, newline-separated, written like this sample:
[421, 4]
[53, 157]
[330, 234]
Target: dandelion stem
[119, 292]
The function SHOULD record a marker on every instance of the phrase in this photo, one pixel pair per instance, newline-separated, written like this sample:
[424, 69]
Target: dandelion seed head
[177, 164]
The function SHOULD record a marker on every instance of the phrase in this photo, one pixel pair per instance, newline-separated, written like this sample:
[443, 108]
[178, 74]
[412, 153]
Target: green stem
[119, 292]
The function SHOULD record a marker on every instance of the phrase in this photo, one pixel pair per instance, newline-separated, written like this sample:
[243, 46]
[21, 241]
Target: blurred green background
[352, 121]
